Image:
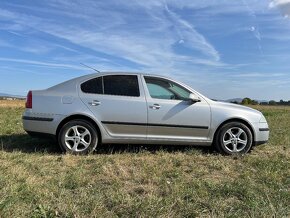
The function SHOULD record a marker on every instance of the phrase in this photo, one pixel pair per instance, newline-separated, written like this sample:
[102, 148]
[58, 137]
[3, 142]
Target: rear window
[93, 86]
[125, 85]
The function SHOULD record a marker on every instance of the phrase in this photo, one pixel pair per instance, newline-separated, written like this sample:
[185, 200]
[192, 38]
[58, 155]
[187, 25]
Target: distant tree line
[248, 101]
[272, 102]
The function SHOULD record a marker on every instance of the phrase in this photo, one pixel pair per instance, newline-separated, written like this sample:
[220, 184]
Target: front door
[171, 115]
[118, 102]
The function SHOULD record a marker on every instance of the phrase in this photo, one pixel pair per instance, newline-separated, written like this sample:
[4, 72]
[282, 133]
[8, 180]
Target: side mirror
[193, 98]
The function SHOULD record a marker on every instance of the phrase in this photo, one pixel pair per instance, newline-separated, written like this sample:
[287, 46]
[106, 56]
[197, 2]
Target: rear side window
[93, 86]
[125, 85]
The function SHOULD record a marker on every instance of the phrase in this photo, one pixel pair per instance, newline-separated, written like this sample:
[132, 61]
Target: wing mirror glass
[193, 98]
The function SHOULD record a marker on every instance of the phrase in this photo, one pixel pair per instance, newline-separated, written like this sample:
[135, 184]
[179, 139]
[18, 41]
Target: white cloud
[283, 5]
[276, 3]
[193, 38]
[150, 45]
[259, 75]
[41, 63]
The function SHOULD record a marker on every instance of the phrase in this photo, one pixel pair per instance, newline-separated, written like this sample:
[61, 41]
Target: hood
[237, 107]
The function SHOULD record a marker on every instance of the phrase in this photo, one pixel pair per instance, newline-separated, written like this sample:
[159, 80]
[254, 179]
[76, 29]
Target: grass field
[36, 180]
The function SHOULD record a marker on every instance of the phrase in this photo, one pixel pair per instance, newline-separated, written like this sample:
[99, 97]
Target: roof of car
[84, 78]
[88, 76]
[93, 75]
[124, 73]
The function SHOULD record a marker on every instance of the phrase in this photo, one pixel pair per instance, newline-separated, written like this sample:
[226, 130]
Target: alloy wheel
[235, 139]
[78, 138]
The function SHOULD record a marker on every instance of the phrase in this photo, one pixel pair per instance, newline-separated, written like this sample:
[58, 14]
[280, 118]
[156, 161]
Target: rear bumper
[37, 118]
[40, 135]
[40, 123]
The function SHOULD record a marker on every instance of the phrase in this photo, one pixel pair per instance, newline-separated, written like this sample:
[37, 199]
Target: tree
[254, 102]
[246, 101]
[272, 102]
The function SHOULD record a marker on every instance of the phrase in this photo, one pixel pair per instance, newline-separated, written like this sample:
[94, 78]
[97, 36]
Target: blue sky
[222, 48]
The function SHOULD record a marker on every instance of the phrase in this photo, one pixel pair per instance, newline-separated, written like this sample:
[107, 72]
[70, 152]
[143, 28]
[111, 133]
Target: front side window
[164, 89]
[125, 85]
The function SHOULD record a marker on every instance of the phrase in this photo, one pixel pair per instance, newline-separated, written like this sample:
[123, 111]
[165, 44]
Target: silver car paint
[173, 112]
[123, 109]
[66, 99]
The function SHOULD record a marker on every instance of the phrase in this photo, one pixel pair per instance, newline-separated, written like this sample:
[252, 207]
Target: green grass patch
[37, 180]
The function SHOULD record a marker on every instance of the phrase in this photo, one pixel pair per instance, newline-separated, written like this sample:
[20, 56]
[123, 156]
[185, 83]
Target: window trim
[103, 87]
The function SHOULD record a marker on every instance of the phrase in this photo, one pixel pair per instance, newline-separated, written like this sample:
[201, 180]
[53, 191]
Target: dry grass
[12, 103]
[36, 180]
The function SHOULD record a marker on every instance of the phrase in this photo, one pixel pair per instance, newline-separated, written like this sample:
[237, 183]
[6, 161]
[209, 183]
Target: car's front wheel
[78, 137]
[234, 138]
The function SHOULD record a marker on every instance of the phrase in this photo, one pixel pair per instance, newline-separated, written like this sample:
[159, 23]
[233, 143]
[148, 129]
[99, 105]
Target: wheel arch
[79, 117]
[235, 120]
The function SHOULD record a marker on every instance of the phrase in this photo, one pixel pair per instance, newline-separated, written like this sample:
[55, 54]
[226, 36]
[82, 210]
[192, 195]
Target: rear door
[171, 116]
[118, 102]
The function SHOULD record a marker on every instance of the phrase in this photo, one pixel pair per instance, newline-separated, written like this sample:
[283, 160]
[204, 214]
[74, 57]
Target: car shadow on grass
[27, 144]
[130, 148]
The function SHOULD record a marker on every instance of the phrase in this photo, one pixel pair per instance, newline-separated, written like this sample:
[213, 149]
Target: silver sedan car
[139, 108]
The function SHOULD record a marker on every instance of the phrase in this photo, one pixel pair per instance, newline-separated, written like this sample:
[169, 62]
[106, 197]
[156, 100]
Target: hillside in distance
[11, 96]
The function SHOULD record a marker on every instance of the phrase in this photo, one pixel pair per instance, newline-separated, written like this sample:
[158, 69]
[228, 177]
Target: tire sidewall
[89, 126]
[219, 139]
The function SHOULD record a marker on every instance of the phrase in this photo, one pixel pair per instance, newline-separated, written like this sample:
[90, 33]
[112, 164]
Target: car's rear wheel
[234, 138]
[78, 137]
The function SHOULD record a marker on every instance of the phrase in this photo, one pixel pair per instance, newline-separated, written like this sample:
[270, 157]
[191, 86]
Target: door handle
[95, 103]
[155, 106]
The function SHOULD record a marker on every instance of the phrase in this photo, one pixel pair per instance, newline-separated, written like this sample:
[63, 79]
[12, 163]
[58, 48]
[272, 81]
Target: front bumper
[260, 143]
[262, 132]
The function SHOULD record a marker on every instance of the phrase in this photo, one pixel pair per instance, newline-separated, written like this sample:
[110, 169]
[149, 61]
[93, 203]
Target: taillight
[29, 100]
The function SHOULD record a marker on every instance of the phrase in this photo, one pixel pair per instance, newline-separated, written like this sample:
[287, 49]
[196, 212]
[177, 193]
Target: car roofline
[122, 73]
[119, 73]
[91, 76]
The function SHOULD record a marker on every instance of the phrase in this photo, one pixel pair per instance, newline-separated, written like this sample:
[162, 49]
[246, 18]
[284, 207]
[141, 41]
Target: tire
[234, 138]
[78, 137]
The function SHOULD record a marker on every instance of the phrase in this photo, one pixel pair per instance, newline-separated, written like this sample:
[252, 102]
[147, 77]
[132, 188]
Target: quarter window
[93, 86]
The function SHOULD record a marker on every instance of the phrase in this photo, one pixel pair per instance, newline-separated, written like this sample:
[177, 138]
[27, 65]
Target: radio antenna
[90, 67]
